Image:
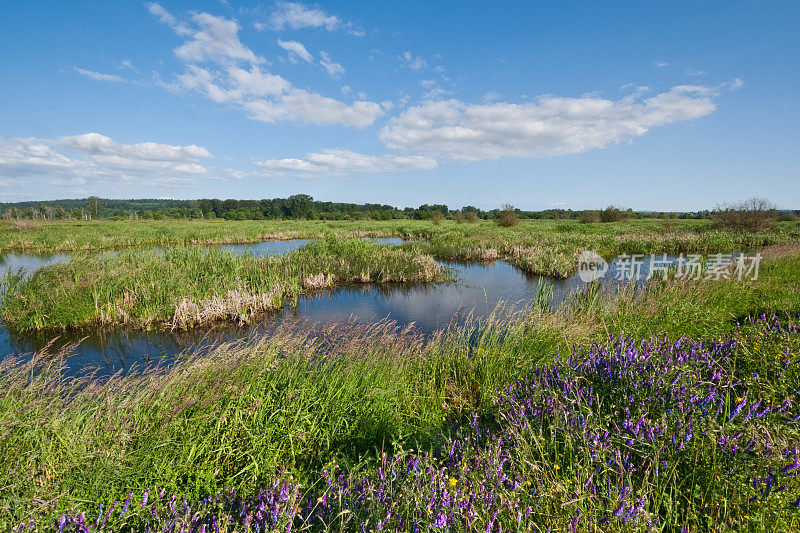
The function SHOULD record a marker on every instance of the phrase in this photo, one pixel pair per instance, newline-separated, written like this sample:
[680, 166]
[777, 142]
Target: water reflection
[478, 290]
[27, 263]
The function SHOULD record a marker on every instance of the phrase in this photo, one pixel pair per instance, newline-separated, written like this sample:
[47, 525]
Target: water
[28, 263]
[477, 292]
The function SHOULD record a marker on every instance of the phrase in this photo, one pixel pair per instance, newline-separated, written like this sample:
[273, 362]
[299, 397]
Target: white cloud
[164, 17]
[550, 126]
[433, 92]
[414, 63]
[297, 16]
[736, 84]
[92, 157]
[296, 51]
[334, 69]
[338, 162]
[221, 68]
[125, 64]
[99, 76]
[216, 39]
[692, 72]
[95, 144]
[303, 106]
[660, 64]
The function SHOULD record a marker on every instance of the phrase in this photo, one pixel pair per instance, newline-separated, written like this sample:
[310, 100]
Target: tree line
[302, 206]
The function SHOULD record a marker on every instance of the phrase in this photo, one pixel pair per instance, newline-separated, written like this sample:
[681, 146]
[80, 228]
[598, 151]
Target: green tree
[93, 205]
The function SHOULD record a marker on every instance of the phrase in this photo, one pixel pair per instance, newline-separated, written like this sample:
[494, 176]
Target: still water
[477, 291]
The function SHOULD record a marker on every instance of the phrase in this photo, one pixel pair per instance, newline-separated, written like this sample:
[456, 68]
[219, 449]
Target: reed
[546, 247]
[185, 287]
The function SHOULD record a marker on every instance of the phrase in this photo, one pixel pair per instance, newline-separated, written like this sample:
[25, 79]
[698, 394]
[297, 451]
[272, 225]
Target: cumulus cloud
[270, 98]
[215, 39]
[338, 162]
[221, 68]
[99, 76]
[95, 144]
[296, 51]
[550, 126]
[335, 70]
[79, 159]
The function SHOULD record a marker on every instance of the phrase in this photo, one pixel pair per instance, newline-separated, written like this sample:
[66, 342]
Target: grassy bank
[184, 287]
[350, 426]
[547, 247]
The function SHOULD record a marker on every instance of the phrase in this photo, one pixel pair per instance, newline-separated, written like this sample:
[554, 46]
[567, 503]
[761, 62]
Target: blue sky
[663, 106]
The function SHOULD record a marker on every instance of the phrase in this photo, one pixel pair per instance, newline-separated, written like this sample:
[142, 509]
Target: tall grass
[368, 424]
[545, 247]
[184, 287]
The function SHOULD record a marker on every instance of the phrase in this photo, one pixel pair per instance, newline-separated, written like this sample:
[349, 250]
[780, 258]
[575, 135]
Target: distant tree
[754, 214]
[507, 216]
[788, 216]
[614, 214]
[589, 216]
[93, 205]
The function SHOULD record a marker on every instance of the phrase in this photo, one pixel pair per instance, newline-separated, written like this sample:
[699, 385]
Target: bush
[460, 217]
[589, 217]
[437, 218]
[755, 214]
[614, 214]
[507, 216]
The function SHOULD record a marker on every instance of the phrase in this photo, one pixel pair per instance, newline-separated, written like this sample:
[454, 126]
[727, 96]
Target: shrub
[507, 216]
[437, 218]
[589, 217]
[755, 214]
[613, 214]
[788, 216]
[471, 218]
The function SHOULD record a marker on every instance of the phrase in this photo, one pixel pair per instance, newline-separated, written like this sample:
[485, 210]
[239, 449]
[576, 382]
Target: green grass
[184, 287]
[307, 400]
[547, 247]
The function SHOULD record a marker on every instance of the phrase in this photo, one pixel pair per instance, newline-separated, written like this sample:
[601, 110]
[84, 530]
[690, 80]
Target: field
[669, 408]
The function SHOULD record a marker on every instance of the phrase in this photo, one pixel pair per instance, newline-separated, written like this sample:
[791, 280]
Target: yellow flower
[739, 399]
[453, 482]
[556, 467]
